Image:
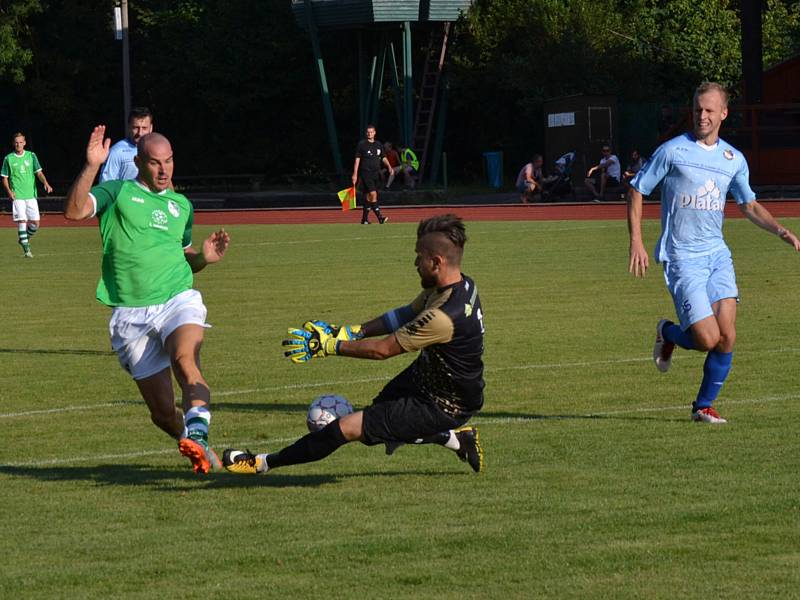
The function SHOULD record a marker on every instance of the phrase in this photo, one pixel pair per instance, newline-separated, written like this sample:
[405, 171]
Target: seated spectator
[530, 179]
[604, 175]
[394, 163]
[559, 183]
[634, 165]
[409, 166]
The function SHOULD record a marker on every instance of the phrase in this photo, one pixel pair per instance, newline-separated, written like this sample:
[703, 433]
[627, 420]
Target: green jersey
[144, 235]
[21, 172]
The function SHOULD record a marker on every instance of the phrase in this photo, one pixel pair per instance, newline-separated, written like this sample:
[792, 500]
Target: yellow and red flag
[348, 198]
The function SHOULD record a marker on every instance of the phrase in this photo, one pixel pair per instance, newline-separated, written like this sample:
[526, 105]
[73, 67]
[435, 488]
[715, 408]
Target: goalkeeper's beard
[427, 281]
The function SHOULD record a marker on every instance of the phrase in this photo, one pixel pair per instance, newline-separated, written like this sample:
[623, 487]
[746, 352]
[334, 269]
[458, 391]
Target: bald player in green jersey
[157, 319]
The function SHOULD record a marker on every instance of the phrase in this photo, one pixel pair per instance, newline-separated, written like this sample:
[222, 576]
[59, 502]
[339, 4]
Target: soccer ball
[326, 409]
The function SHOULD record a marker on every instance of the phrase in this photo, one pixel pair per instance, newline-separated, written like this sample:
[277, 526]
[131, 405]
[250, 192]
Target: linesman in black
[367, 174]
[431, 400]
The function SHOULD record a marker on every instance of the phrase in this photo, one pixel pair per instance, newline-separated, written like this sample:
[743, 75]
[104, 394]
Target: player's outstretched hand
[791, 239]
[314, 340]
[301, 346]
[98, 146]
[215, 245]
[639, 261]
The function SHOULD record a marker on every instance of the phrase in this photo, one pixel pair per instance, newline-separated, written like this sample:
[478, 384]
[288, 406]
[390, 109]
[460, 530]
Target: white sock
[196, 420]
[261, 463]
[453, 442]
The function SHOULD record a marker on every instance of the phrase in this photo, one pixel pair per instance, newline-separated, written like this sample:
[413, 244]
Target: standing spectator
[394, 163]
[157, 320]
[634, 166]
[20, 170]
[696, 171]
[605, 174]
[410, 167]
[367, 173]
[530, 180]
[120, 163]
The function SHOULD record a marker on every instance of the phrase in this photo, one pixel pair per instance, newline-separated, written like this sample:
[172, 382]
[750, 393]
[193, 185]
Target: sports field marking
[45, 411]
[541, 226]
[628, 411]
[477, 421]
[344, 382]
[407, 237]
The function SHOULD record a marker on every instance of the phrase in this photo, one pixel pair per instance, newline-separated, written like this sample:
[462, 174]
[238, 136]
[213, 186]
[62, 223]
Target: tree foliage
[511, 55]
[233, 82]
[15, 56]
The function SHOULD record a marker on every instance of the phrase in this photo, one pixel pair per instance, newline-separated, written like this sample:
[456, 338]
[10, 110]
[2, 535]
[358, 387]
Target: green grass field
[597, 484]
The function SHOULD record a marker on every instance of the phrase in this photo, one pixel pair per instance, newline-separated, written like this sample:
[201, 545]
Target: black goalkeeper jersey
[448, 332]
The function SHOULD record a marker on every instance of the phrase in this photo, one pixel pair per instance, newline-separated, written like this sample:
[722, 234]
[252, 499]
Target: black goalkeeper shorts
[405, 419]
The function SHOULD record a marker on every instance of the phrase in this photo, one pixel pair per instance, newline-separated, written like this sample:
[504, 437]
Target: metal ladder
[429, 92]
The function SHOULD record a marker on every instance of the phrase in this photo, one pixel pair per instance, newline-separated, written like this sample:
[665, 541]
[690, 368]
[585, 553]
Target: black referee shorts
[369, 181]
[405, 419]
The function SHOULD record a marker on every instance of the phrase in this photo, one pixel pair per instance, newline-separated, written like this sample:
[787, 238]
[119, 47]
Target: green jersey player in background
[157, 319]
[20, 170]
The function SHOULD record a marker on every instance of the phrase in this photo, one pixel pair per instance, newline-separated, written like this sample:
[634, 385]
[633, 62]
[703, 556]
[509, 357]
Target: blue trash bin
[494, 168]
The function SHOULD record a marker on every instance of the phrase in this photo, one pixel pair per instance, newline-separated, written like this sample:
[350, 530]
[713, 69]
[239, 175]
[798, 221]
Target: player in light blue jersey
[696, 172]
[120, 163]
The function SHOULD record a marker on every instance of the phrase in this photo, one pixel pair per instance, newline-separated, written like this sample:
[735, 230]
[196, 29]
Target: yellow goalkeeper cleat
[470, 450]
[242, 461]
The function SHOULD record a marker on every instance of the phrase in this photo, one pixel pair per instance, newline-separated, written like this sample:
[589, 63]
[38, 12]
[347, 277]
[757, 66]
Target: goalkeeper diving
[429, 402]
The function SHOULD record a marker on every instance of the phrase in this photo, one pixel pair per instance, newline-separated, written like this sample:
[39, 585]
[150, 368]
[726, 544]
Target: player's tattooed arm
[759, 215]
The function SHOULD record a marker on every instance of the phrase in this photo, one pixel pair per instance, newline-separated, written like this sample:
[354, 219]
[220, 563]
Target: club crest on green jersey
[174, 209]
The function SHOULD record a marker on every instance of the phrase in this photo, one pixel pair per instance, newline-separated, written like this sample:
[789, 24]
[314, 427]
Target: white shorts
[25, 210]
[138, 334]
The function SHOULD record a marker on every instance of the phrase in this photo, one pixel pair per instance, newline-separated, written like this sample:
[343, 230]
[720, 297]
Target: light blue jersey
[696, 181]
[120, 163]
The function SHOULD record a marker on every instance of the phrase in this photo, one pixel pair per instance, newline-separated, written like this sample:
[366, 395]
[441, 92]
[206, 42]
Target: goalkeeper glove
[347, 333]
[314, 340]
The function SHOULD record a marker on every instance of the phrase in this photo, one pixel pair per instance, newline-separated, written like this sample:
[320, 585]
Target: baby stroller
[559, 184]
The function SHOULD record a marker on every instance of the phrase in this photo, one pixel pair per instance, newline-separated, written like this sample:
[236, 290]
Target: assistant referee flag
[348, 198]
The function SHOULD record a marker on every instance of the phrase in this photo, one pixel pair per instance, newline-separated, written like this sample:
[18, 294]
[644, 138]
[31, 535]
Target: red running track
[412, 214]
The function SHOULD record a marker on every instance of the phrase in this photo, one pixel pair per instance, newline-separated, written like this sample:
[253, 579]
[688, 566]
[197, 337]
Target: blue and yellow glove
[347, 333]
[315, 340]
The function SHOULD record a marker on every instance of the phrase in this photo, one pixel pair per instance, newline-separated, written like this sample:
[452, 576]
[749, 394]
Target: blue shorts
[697, 283]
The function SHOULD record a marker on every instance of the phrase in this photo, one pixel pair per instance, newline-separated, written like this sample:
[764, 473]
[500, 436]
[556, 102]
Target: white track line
[477, 421]
[344, 382]
[630, 411]
[65, 409]
[361, 238]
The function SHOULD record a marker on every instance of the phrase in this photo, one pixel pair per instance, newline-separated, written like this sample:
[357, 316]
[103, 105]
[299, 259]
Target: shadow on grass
[577, 417]
[57, 351]
[164, 480]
